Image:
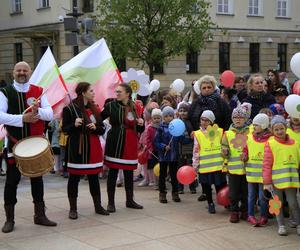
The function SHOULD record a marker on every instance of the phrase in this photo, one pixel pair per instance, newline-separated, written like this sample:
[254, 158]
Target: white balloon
[292, 105]
[295, 64]
[144, 90]
[154, 85]
[197, 88]
[178, 85]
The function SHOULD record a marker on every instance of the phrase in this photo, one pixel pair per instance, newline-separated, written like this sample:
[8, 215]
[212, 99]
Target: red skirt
[129, 159]
[95, 164]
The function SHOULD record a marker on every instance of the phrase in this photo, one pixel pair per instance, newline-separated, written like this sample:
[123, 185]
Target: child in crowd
[280, 170]
[2, 172]
[54, 125]
[233, 143]
[151, 130]
[207, 157]
[63, 138]
[254, 155]
[186, 145]
[168, 152]
[294, 129]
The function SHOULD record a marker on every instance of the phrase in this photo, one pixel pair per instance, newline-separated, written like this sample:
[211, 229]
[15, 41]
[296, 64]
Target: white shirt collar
[21, 87]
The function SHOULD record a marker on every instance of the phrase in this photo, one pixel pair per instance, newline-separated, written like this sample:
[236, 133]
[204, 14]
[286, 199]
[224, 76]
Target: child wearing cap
[233, 143]
[281, 170]
[186, 145]
[253, 155]
[152, 154]
[207, 157]
[168, 153]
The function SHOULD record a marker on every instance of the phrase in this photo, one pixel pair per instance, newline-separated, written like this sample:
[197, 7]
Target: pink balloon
[296, 88]
[227, 78]
[186, 175]
[223, 197]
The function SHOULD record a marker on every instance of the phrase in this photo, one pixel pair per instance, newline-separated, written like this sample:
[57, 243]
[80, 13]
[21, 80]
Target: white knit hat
[156, 112]
[208, 115]
[261, 120]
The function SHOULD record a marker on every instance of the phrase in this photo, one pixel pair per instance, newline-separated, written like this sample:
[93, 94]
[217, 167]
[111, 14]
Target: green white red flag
[94, 65]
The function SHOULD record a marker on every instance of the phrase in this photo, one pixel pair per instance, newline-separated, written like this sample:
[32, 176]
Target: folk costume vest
[17, 103]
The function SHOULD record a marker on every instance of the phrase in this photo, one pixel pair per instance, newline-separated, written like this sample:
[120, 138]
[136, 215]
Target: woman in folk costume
[121, 149]
[83, 124]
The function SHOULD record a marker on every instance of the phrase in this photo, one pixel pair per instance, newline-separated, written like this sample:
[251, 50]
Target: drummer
[14, 99]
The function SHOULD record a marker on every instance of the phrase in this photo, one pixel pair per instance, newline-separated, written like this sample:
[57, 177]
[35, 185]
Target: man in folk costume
[14, 100]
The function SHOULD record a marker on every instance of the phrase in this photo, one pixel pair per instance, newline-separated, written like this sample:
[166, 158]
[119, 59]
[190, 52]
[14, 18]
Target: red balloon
[227, 78]
[223, 197]
[142, 157]
[186, 175]
[296, 88]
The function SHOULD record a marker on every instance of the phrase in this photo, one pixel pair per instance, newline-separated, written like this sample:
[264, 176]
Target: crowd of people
[240, 137]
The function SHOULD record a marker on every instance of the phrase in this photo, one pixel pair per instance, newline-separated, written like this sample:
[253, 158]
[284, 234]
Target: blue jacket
[162, 139]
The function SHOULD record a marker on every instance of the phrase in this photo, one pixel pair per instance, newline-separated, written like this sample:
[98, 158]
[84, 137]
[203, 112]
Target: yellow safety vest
[255, 160]
[285, 170]
[235, 165]
[63, 138]
[251, 129]
[294, 135]
[210, 153]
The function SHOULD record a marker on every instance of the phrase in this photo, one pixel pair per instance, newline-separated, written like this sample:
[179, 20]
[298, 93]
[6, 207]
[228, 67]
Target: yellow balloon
[156, 170]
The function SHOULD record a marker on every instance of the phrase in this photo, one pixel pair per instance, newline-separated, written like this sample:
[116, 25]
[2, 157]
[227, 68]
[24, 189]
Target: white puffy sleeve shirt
[45, 111]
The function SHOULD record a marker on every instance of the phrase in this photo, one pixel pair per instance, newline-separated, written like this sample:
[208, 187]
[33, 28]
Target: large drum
[33, 156]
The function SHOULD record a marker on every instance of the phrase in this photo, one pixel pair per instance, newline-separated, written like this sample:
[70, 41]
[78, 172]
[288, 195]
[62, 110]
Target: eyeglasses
[259, 82]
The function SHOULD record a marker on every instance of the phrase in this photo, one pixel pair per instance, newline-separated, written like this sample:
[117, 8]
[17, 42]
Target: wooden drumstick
[36, 101]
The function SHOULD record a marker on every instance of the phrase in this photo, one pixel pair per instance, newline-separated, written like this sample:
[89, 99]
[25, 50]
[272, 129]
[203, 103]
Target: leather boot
[98, 208]
[234, 217]
[40, 217]
[73, 209]
[163, 198]
[175, 197]
[130, 203]
[10, 215]
[111, 201]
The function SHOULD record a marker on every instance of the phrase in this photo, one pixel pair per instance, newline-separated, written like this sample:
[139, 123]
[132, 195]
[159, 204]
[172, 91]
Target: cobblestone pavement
[185, 225]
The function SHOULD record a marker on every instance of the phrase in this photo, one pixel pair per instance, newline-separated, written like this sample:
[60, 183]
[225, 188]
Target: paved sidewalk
[185, 225]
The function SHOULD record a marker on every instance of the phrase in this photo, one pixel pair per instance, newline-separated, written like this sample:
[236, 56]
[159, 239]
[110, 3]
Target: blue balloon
[176, 127]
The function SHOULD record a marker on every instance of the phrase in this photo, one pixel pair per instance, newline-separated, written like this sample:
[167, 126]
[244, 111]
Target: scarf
[257, 95]
[209, 102]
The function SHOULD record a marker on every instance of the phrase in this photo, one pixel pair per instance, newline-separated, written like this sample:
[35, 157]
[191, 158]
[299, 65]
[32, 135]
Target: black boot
[73, 209]
[175, 197]
[130, 203]
[98, 208]
[10, 215]
[163, 197]
[40, 217]
[111, 201]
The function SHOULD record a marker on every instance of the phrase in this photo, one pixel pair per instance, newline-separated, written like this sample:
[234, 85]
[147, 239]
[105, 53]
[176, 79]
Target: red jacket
[269, 159]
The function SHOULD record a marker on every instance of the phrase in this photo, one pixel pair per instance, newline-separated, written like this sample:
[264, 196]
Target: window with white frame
[255, 8]
[282, 8]
[16, 6]
[44, 3]
[225, 6]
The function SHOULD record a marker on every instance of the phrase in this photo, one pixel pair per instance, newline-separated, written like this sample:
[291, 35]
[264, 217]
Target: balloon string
[169, 145]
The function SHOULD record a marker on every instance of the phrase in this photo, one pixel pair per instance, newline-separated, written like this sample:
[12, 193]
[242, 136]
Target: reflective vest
[255, 160]
[235, 165]
[285, 164]
[294, 135]
[210, 152]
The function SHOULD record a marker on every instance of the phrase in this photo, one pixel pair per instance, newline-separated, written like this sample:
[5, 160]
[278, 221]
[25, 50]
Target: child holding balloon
[167, 146]
[150, 131]
[186, 145]
[281, 170]
[207, 156]
[233, 142]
